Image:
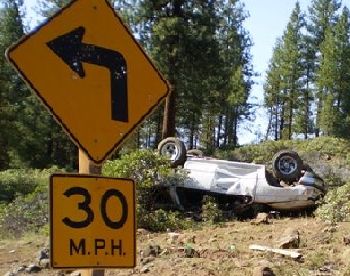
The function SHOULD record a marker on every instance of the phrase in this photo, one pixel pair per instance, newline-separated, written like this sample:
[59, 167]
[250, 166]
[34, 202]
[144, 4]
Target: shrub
[22, 182]
[161, 220]
[24, 197]
[260, 154]
[263, 153]
[143, 166]
[211, 212]
[148, 170]
[326, 145]
[25, 214]
[336, 205]
[316, 259]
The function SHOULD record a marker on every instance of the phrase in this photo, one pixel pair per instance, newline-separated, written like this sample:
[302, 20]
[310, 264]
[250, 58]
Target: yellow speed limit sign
[92, 222]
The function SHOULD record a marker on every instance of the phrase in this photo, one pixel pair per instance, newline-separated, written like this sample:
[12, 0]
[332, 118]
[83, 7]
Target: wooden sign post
[86, 166]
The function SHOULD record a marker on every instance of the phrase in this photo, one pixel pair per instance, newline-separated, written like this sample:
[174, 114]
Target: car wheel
[174, 150]
[287, 165]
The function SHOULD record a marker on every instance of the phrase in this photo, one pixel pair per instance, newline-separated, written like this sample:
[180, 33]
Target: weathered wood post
[86, 166]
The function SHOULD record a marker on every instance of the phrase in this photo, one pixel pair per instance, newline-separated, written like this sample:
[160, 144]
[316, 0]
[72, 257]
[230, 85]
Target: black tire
[287, 165]
[174, 149]
[195, 152]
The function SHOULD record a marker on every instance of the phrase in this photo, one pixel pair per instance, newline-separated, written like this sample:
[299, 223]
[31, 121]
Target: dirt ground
[216, 250]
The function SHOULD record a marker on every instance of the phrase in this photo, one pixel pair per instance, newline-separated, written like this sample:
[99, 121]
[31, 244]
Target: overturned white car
[236, 185]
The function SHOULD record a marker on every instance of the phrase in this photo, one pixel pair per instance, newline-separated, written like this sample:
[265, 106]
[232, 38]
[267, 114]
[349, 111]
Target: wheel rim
[287, 165]
[170, 150]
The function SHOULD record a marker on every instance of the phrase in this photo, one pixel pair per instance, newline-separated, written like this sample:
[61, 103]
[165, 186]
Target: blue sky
[268, 19]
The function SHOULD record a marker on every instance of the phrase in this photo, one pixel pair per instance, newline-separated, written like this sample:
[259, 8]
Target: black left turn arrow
[70, 48]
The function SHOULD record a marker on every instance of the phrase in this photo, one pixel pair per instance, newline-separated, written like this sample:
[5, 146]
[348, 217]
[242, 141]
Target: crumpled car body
[248, 181]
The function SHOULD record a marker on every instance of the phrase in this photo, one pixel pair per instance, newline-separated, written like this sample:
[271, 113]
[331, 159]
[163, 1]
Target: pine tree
[291, 68]
[333, 78]
[234, 72]
[197, 68]
[284, 79]
[39, 142]
[273, 93]
[12, 90]
[198, 53]
[304, 119]
[322, 15]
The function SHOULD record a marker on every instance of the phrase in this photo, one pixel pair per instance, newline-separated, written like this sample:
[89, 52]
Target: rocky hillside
[302, 246]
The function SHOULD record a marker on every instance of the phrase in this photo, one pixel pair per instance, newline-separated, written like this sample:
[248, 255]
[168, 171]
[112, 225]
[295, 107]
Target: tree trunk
[276, 122]
[219, 131]
[49, 145]
[282, 121]
[230, 128]
[306, 99]
[138, 138]
[4, 157]
[158, 134]
[318, 115]
[235, 126]
[191, 138]
[269, 125]
[290, 119]
[226, 129]
[169, 118]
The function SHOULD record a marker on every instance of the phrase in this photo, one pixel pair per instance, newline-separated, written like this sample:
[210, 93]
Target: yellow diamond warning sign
[92, 222]
[91, 74]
